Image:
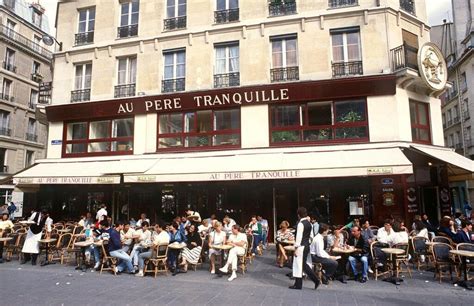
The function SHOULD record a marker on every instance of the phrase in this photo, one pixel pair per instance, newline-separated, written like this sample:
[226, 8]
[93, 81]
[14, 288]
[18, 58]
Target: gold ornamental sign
[433, 69]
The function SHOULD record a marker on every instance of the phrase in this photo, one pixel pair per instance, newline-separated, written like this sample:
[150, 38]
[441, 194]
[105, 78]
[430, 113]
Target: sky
[437, 11]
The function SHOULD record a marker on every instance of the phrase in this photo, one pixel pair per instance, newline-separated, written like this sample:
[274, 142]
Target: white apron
[32, 242]
[298, 262]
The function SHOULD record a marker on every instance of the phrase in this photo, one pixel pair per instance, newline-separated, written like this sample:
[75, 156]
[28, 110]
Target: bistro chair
[242, 261]
[402, 259]
[78, 230]
[248, 254]
[419, 249]
[442, 239]
[442, 259]
[378, 270]
[10, 245]
[71, 249]
[201, 256]
[345, 234]
[16, 248]
[58, 251]
[159, 254]
[108, 262]
[466, 247]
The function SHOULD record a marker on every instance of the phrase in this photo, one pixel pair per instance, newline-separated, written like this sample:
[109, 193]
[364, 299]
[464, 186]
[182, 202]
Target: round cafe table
[47, 242]
[83, 245]
[177, 247]
[341, 266]
[224, 248]
[26, 222]
[394, 252]
[464, 255]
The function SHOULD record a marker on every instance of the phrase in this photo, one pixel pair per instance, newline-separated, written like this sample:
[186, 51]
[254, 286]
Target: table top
[84, 244]
[65, 230]
[288, 242]
[48, 240]
[176, 246]
[393, 251]
[3, 239]
[343, 251]
[193, 217]
[289, 247]
[26, 222]
[462, 253]
[222, 247]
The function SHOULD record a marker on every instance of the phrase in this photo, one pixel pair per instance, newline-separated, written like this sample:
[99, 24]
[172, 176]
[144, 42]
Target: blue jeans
[124, 259]
[256, 242]
[95, 251]
[264, 237]
[365, 264]
[141, 259]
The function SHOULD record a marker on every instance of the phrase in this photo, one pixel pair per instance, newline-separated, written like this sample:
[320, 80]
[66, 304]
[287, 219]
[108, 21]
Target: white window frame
[32, 129]
[345, 48]
[10, 56]
[130, 13]
[86, 21]
[227, 5]
[176, 9]
[283, 51]
[33, 70]
[227, 58]
[5, 117]
[128, 70]
[34, 101]
[39, 16]
[10, 85]
[83, 68]
[32, 158]
[175, 64]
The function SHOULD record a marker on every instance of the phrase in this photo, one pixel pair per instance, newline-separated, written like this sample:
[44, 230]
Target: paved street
[264, 284]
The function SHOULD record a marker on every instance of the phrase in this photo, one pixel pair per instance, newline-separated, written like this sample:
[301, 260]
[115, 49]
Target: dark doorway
[430, 203]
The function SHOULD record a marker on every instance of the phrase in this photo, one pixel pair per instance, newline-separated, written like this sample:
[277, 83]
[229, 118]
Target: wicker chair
[108, 262]
[201, 256]
[248, 254]
[376, 260]
[419, 249]
[16, 248]
[402, 259]
[71, 249]
[443, 239]
[58, 251]
[242, 260]
[158, 258]
[442, 259]
[466, 247]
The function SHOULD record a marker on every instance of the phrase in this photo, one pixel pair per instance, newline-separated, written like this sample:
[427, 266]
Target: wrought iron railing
[279, 8]
[227, 79]
[342, 3]
[9, 67]
[347, 68]
[404, 56]
[456, 119]
[173, 85]
[175, 23]
[285, 74]
[125, 90]
[25, 42]
[127, 31]
[45, 90]
[36, 77]
[458, 146]
[226, 16]
[408, 6]
[31, 137]
[80, 95]
[84, 38]
[466, 115]
[7, 97]
[5, 131]
[450, 122]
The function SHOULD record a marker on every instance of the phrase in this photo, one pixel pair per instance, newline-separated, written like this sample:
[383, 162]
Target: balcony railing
[466, 115]
[84, 38]
[226, 16]
[347, 69]
[31, 137]
[342, 3]
[278, 8]
[458, 146]
[7, 97]
[285, 74]
[127, 31]
[31, 105]
[468, 143]
[9, 67]
[80, 95]
[227, 80]
[36, 77]
[408, 6]
[4, 131]
[173, 85]
[175, 23]
[404, 56]
[126, 90]
[25, 42]
[450, 95]
[456, 120]
[3, 169]
[45, 90]
[450, 122]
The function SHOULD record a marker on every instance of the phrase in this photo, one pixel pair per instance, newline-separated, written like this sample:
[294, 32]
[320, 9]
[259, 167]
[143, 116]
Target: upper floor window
[99, 137]
[174, 71]
[420, 122]
[207, 128]
[226, 11]
[7, 90]
[82, 82]
[33, 99]
[37, 17]
[85, 31]
[342, 3]
[29, 158]
[281, 7]
[5, 123]
[463, 82]
[129, 19]
[175, 15]
[319, 122]
[408, 6]
[9, 63]
[36, 72]
[31, 130]
[284, 58]
[126, 77]
[11, 25]
[227, 65]
[346, 52]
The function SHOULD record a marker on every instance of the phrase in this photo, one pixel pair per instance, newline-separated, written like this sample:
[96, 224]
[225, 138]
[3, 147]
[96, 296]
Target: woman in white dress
[217, 237]
[31, 246]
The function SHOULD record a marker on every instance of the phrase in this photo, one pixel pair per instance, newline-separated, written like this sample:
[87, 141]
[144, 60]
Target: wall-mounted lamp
[50, 40]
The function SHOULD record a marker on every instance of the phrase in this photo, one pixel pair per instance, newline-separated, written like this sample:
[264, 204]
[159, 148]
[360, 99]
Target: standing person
[31, 246]
[431, 228]
[194, 216]
[4, 224]
[239, 241]
[11, 210]
[361, 254]
[142, 219]
[256, 230]
[101, 213]
[265, 228]
[467, 209]
[302, 259]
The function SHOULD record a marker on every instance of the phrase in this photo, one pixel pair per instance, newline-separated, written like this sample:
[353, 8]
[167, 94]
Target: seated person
[217, 237]
[115, 247]
[350, 225]
[192, 252]
[142, 243]
[385, 235]
[446, 227]
[360, 255]
[256, 230]
[142, 219]
[464, 234]
[335, 239]
[400, 235]
[5, 223]
[176, 236]
[319, 254]
[159, 236]
[420, 229]
[94, 234]
[239, 242]
[204, 228]
[284, 234]
[126, 236]
[367, 232]
[193, 216]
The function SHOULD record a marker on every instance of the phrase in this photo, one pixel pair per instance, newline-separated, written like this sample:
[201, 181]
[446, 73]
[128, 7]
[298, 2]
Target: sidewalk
[263, 284]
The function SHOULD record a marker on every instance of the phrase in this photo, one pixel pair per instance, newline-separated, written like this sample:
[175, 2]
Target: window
[31, 130]
[206, 128]
[408, 6]
[342, 3]
[99, 137]
[174, 71]
[284, 59]
[463, 82]
[36, 18]
[33, 99]
[37, 42]
[29, 158]
[466, 113]
[3, 160]
[176, 14]
[36, 72]
[9, 63]
[129, 19]
[5, 123]
[86, 25]
[319, 122]
[420, 122]
[126, 77]
[227, 65]
[346, 52]
[6, 90]
[11, 28]
[82, 83]
[226, 11]
[281, 7]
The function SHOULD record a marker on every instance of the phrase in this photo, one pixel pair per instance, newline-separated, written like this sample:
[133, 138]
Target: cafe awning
[80, 171]
[263, 165]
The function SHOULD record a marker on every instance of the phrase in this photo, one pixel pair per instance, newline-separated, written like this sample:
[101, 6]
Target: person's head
[397, 226]
[205, 222]
[235, 229]
[253, 219]
[159, 227]
[88, 215]
[213, 216]
[313, 218]
[226, 221]
[119, 225]
[323, 229]
[191, 228]
[83, 217]
[302, 212]
[145, 225]
[104, 224]
[177, 219]
[356, 222]
[424, 217]
[126, 227]
[366, 224]
[109, 218]
[387, 224]
[5, 216]
[259, 218]
[174, 227]
[184, 219]
[445, 221]
[102, 206]
[417, 217]
[217, 226]
[355, 231]
[143, 216]
[419, 225]
[284, 225]
[466, 225]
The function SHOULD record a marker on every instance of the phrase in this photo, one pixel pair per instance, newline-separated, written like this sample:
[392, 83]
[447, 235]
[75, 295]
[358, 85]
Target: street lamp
[50, 40]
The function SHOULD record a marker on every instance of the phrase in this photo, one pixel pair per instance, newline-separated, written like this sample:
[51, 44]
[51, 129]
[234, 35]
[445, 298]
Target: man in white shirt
[126, 235]
[144, 241]
[265, 227]
[319, 254]
[239, 242]
[159, 237]
[101, 213]
[386, 234]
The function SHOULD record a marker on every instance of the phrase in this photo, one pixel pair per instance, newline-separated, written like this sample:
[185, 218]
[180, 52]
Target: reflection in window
[420, 123]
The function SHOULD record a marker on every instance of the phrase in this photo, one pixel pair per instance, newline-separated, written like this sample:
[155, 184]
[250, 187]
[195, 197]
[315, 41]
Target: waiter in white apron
[302, 261]
[31, 247]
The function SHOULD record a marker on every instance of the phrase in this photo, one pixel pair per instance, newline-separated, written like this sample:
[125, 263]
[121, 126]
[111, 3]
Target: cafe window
[101, 137]
[207, 128]
[420, 122]
[319, 122]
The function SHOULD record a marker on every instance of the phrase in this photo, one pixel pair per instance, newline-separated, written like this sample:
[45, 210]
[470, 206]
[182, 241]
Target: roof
[24, 10]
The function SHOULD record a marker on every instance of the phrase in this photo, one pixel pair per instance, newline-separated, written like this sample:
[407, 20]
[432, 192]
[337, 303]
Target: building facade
[244, 107]
[26, 63]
